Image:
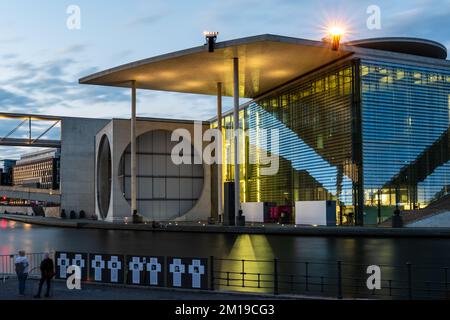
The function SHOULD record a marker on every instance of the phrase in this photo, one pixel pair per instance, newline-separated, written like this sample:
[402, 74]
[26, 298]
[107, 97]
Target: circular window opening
[165, 190]
[104, 177]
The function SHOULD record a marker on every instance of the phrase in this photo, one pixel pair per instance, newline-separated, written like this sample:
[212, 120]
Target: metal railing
[315, 279]
[327, 279]
[8, 266]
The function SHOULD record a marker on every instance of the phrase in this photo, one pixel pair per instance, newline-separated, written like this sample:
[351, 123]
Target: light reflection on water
[242, 271]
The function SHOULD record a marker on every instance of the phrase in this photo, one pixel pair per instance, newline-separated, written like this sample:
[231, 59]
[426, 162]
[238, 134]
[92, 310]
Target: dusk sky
[42, 60]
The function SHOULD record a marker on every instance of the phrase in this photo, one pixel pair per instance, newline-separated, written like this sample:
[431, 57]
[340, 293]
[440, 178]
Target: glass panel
[313, 119]
[405, 112]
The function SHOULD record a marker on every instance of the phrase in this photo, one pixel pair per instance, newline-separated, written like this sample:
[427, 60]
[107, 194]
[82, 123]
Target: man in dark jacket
[47, 273]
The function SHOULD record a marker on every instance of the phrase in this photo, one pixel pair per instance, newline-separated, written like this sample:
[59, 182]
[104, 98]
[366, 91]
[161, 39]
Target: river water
[360, 251]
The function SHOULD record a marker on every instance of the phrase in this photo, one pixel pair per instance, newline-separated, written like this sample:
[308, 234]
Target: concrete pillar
[219, 150]
[133, 150]
[237, 191]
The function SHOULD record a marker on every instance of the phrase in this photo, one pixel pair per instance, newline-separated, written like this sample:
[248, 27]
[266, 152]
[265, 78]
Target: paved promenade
[268, 229]
[9, 291]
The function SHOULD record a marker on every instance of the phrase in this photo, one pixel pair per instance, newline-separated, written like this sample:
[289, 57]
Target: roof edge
[198, 49]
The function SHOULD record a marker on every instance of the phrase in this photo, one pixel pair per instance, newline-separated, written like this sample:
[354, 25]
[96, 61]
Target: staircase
[436, 207]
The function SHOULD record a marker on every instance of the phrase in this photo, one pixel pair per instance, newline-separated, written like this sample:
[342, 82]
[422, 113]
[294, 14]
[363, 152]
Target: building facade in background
[6, 173]
[38, 170]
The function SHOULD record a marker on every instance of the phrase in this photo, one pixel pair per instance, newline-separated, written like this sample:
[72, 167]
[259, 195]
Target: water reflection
[239, 268]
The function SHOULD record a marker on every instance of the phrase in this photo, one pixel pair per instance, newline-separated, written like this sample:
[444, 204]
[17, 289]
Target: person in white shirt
[22, 269]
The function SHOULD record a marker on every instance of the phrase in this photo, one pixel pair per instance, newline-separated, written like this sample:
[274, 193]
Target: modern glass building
[369, 133]
[365, 124]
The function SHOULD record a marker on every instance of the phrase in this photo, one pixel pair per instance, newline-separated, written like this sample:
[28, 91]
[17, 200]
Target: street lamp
[211, 37]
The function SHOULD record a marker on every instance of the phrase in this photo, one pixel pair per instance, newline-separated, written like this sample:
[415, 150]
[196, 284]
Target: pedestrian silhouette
[22, 268]
[47, 273]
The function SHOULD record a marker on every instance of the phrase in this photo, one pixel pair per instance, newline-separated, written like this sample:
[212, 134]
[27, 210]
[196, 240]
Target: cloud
[74, 49]
[12, 40]
[14, 153]
[10, 100]
[9, 56]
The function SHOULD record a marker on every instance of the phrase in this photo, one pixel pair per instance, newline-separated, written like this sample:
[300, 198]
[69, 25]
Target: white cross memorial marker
[154, 268]
[136, 266]
[63, 263]
[114, 265]
[78, 261]
[196, 269]
[98, 265]
[177, 268]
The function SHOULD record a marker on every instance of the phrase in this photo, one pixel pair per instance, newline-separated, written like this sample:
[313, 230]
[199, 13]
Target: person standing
[47, 273]
[22, 268]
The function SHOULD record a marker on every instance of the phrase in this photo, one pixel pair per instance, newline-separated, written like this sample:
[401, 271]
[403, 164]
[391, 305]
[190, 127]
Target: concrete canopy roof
[265, 62]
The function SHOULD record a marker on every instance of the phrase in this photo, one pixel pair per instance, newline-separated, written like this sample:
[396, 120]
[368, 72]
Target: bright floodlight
[211, 37]
[210, 33]
[336, 33]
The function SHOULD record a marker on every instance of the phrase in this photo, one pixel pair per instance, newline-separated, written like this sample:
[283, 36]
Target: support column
[357, 152]
[133, 150]
[237, 192]
[219, 150]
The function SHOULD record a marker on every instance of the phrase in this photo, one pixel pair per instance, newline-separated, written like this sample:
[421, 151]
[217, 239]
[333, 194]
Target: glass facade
[313, 119]
[405, 112]
[365, 132]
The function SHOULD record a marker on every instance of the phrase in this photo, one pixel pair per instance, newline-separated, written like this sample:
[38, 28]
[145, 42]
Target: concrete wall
[118, 133]
[78, 163]
[108, 132]
[17, 210]
[52, 212]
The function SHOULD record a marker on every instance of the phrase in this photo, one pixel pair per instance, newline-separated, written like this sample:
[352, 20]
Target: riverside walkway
[267, 229]
[9, 291]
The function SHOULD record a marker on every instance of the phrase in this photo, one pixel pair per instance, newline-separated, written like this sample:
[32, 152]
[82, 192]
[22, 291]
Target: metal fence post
[275, 276]
[410, 295]
[211, 266]
[390, 288]
[88, 266]
[446, 282]
[306, 276]
[126, 269]
[166, 276]
[339, 280]
[321, 284]
[292, 282]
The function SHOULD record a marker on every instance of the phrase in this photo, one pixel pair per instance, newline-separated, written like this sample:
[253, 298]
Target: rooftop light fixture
[335, 35]
[211, 37]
